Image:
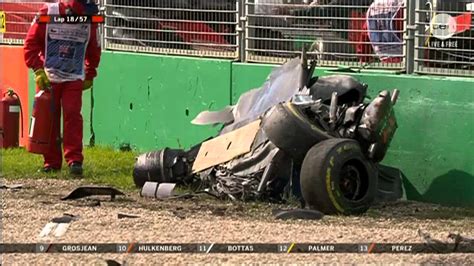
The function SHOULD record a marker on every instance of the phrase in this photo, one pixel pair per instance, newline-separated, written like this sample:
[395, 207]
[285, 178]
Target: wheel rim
[353, 180]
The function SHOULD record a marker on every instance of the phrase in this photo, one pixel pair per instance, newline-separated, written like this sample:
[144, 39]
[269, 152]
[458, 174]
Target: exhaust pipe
[333, 108]
[395, 94]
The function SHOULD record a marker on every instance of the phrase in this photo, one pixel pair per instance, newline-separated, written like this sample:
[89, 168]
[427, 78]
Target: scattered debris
[125, 147]
[446, 247]
[58, 225]
[66, 218]
[15, 186]
[458, 238]
[165, 190]
[122, 215]
[114, 263]
[219, 211]
[389, 184]
[87, 202]
[159, 191]
[87, 191]
[303, 214]
[214, 117]
[178, 214]
[71, 215]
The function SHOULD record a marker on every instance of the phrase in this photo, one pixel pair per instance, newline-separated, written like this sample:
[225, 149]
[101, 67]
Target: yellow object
[42, 80]
[3, 22]
[291, 247]
[87, 84]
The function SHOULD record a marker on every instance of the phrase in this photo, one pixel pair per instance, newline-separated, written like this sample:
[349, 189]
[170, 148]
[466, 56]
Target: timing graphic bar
[71, 19]
[205, 248]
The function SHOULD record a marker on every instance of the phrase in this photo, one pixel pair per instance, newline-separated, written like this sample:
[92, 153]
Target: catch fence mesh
[411, 36]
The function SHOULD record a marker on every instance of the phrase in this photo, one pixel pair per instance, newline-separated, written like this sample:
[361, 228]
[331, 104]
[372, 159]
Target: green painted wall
[434, 145]
[149, 101]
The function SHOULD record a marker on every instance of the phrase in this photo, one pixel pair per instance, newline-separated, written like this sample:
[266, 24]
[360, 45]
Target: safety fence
[15, 19]
[412, 36]
[444, 37]
[204, 28]
[335, 32]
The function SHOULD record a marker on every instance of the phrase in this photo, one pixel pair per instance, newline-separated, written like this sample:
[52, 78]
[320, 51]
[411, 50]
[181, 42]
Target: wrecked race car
[297, 135]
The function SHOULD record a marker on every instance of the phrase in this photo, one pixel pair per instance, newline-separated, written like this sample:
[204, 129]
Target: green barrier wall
[148, 102]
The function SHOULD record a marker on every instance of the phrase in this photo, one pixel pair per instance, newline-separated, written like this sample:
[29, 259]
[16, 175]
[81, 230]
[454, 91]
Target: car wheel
[336, 178]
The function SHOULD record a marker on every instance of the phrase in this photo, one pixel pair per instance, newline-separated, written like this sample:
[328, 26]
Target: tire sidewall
[322, 168]
[338, 156]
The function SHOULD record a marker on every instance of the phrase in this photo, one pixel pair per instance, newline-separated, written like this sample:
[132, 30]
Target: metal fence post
[410, 36]
[240, 28]
[419, 31]
[103, 4]
[249, 20]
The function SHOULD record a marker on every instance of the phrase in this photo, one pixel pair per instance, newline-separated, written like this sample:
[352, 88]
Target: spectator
[384, 25]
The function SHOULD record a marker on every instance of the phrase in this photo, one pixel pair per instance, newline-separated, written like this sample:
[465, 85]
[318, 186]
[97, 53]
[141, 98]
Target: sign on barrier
[3, 22]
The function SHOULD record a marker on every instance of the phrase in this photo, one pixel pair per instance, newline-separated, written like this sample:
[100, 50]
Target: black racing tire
[285, 121]
[336, 178]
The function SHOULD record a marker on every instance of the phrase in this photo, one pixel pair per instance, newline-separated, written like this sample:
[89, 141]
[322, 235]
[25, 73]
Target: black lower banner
[368, 248]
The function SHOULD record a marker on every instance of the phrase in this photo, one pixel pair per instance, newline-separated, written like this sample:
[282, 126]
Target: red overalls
[67, 65]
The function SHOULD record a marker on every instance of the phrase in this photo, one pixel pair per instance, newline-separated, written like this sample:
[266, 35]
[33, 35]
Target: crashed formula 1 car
[299, 135]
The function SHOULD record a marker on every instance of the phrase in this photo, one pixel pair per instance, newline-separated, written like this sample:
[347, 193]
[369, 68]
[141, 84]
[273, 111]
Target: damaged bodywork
[312, 137]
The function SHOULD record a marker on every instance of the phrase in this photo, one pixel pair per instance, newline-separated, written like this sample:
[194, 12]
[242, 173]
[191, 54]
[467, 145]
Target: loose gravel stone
[203, 220]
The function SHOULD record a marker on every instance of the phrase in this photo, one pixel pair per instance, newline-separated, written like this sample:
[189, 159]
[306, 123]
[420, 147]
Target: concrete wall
[148, 101]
